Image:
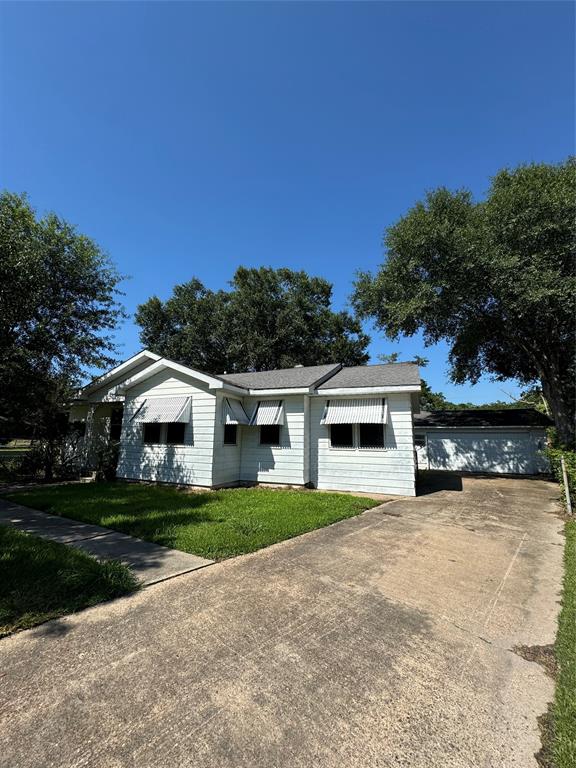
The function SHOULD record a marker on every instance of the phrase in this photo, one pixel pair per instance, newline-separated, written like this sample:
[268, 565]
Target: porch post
[89, 436]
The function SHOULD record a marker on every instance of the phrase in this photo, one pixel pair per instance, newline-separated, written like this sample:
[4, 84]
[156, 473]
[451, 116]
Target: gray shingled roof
[283, 378]
[483, 417]
[386, 375]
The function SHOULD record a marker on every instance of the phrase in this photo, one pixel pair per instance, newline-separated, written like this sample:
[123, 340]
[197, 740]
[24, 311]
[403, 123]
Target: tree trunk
[559, 402]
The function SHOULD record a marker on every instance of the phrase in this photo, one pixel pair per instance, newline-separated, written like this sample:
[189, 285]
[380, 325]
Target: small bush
[10, 469]
[107, 459]
[57, 459]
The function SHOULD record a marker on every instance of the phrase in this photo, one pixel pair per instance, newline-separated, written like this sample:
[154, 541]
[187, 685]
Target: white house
[323, 426]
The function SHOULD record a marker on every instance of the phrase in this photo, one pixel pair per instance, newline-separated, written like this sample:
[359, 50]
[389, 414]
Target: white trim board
[101, 381]
[353, 391]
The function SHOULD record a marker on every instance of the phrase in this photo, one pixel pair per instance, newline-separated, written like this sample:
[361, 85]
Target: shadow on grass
[42, 580]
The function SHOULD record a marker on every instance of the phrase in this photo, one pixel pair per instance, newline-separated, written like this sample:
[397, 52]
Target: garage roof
[472, 417]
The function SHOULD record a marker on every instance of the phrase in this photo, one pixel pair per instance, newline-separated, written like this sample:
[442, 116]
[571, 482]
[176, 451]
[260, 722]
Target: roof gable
[121, 372]
[163, 364]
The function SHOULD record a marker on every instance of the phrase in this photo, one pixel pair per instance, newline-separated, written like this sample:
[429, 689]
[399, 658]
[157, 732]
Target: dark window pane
[175, 433]
[420, 440]
[116, 423]
[230, 434]
[371, 435]
[151, 433]
[270, 435]
[341, 436]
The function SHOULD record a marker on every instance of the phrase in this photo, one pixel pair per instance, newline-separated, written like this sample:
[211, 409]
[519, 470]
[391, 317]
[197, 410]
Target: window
[116, 423]
[270, 434]
[230, 434]
[371, 436]
[151, 433]
[420, 441]
[175, 433]
[342, 436]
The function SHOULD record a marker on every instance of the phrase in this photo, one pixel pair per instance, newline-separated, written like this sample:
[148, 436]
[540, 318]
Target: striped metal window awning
[233, 412]
[355, 411]
[162, 410]
[268, 412]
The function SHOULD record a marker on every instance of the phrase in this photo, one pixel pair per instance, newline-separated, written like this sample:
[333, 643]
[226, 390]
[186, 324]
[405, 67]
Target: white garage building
[508, 441]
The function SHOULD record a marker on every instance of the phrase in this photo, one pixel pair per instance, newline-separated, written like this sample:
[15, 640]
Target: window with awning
[233, 412]
[162, 410]
[355, 411]
[268, 413]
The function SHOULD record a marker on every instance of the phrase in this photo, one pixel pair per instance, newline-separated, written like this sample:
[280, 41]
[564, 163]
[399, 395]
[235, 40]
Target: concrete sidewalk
[150, 562]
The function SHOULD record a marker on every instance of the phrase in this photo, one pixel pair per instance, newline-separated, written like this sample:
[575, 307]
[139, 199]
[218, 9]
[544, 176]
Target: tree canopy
[496, 279]
[269, 318]
[58, 301]
[437, 401]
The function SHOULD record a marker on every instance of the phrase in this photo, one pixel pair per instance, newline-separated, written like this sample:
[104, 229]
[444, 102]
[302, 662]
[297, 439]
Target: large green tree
[58, 303]
[270, 318]
[494, 278]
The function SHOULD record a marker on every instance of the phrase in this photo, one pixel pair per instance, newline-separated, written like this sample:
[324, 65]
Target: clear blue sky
[189, 138]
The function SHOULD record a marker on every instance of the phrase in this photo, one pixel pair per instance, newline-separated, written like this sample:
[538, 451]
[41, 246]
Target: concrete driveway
[385, 640]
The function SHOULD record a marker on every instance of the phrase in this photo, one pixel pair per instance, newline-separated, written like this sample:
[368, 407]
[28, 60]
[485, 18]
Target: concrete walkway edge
[151, 563]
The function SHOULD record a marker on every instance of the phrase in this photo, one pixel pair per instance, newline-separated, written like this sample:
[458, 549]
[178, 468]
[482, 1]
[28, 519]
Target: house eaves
[350, 391]
[163, 364]
[280, 391]
[124, 368]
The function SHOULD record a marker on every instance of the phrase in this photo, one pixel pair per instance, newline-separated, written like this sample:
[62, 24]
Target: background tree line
[268, 318]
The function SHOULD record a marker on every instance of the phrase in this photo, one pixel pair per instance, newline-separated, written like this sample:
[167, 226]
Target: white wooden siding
[389, 470]
[275, 464]
[307, 443]
[226, 464]
[189, 464]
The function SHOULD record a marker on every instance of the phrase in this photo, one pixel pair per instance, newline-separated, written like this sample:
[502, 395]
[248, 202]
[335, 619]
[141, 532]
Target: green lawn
[41, 580]
[213, 524]
[564, 710]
